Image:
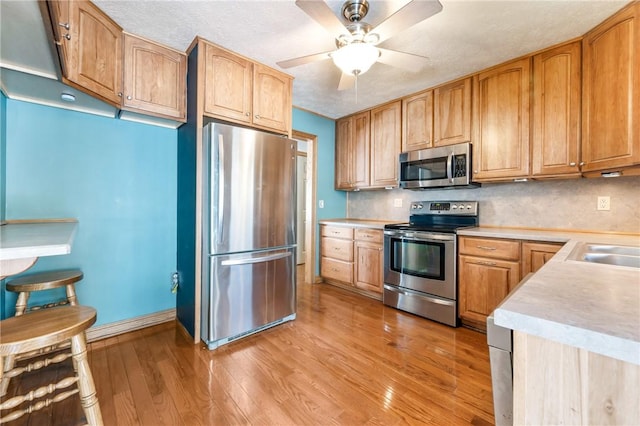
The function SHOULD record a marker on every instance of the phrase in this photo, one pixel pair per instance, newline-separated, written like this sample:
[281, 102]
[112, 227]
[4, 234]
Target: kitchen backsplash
[560, 204]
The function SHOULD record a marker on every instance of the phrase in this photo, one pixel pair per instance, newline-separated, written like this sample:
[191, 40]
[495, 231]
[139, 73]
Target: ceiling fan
[357, 42]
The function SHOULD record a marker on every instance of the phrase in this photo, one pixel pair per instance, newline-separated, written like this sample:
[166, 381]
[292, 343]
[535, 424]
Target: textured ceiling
[465, 37]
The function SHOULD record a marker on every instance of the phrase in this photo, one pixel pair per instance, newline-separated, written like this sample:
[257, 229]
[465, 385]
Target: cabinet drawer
[336, 231]
[336, 249]
[369, 235]
[489, 247]
[336, 269]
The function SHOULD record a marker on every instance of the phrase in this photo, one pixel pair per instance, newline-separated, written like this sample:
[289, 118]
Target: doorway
[306, 222]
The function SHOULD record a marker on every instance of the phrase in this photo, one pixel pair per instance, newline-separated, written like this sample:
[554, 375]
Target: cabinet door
[556, 111]
[484, 283]
[60, 22]
[417, 121]
[368, 266]
[501, 145]
[271, 99]
[360, 160]
[452, 113]
[227, 85]
[95, 52]
[385, 144]
[534, 255]
[611, 92]
[154, 78]
[344, 149]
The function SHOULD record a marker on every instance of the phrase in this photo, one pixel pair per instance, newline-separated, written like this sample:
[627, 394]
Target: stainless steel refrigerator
[249, 250]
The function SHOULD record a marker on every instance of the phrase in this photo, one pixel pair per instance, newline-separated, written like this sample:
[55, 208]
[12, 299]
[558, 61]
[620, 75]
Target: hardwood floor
[345, 360]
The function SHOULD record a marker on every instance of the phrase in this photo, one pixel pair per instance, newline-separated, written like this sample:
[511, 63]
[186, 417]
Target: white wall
[559, 204]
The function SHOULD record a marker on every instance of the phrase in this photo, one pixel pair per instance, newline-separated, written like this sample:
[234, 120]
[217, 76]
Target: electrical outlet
[397, 202]
[604, 203]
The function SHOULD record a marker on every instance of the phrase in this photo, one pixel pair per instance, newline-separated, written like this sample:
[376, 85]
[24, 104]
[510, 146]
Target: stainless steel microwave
[441, 167]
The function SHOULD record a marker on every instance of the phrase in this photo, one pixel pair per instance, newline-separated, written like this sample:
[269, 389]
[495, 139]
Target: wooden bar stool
[41, 329]
[26, 284]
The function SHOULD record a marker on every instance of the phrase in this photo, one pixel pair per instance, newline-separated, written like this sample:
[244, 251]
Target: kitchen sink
[606, 254]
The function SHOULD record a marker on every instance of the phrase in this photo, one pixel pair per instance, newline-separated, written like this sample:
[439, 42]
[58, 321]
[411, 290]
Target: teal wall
[335, 202]
[118, 179]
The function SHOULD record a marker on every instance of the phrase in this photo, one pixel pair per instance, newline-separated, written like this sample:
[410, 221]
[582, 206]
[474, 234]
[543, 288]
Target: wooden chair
[26, 284]
[49, 328]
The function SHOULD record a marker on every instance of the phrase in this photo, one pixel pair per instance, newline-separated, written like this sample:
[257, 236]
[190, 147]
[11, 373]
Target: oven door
[421, 261]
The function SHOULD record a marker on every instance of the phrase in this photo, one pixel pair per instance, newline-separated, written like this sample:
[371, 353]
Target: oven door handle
[422, 295]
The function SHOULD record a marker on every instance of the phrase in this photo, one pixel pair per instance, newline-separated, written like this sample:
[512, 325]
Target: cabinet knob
[572, 163]
[119, 94]
[247, 114]
[64, 25]
[67, 36]
[475, 171]
[129, 98]
[582, 163]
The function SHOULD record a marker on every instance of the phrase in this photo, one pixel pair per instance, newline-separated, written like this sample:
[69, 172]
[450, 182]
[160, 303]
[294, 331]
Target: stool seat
[44, 280]
[45, 327]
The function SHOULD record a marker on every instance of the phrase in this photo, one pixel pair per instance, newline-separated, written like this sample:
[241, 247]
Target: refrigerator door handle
[220, 170]
[260, 259]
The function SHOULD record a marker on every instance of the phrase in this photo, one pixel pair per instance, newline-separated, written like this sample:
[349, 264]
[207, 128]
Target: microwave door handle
[449, 167]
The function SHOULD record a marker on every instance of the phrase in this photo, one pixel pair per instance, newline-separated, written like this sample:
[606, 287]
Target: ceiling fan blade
[323, 15]
[347, 81]
[302, 60]
[413, 12]
[407, 61]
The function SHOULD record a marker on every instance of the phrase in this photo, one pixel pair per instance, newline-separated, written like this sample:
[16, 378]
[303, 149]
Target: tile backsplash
[559, 204]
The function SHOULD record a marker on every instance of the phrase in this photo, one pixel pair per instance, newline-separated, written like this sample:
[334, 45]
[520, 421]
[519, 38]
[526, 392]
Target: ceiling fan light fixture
[355, 58]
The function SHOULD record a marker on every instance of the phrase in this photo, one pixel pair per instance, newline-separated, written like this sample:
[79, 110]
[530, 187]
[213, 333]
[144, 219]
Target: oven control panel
[445, 207]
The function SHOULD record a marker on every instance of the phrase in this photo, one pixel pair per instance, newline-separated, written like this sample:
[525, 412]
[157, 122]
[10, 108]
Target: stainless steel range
[420, 274]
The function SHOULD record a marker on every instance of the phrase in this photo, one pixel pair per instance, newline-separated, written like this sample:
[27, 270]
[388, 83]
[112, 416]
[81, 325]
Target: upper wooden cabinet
[242, 91]
[452, 113]
[611, 93]
[417, 121]
[385, 144]
[501, 122]
[556, 111]
[352, 152]
[154, 78]
[126, 71]
[90, 48]
[437, 117]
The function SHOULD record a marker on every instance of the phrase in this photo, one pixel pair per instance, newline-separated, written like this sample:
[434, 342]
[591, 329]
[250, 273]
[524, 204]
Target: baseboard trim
[125, 326]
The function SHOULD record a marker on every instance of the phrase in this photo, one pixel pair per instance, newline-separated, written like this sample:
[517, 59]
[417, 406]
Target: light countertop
[22, 240]
[587, 305]
[357, 223]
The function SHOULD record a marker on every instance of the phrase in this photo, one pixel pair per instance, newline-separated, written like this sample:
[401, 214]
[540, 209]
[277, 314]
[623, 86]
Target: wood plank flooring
[345, 360]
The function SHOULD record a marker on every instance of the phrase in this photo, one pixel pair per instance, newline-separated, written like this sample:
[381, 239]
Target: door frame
[310, 202]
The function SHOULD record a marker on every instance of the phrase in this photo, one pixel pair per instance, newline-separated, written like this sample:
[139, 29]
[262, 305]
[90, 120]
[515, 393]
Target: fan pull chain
[357, 87]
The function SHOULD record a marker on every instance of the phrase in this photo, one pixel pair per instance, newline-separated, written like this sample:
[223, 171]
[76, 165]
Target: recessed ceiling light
[68, 97]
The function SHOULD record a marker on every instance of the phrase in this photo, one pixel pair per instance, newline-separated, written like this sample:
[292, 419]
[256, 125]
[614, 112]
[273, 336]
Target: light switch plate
[397, 202]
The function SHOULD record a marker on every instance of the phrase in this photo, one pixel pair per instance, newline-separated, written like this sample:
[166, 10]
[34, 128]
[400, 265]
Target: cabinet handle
[336, 248]
[486, 248]
[486, 263]
[257, 116]
[582, 163]
[64, 25]
[572, 163]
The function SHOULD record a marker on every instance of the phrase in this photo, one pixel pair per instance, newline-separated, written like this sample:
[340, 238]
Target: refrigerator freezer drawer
[247, 292]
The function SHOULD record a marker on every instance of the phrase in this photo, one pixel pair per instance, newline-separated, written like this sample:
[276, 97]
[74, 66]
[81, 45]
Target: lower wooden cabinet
[484, 283]
[489, 268]
[352, 258]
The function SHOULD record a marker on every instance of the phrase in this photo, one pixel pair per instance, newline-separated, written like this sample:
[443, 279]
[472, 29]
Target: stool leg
[71, 295]
[21, 303]
[87, 388]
